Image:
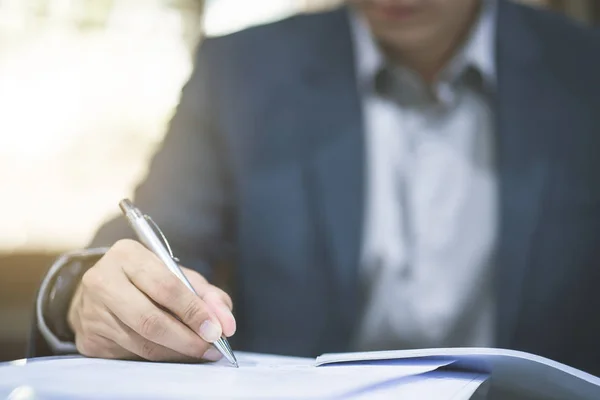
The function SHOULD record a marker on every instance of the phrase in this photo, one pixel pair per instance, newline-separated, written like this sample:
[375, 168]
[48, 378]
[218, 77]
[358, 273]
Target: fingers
[202, 287]
[151, 277]
[133, 347]
[217, 300]
[152, 323]
[132, 343]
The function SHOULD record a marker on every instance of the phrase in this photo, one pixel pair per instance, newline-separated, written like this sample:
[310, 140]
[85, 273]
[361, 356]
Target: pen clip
[162, 236]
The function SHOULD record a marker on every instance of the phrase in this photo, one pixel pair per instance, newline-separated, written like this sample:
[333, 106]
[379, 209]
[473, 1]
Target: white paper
[259, 377]
[438, 385]
[522, 372]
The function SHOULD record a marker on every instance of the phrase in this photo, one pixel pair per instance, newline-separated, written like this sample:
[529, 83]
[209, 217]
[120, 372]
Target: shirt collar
[478, 50]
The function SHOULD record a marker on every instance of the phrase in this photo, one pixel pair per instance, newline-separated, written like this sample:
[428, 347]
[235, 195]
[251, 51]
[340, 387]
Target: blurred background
[87, 88]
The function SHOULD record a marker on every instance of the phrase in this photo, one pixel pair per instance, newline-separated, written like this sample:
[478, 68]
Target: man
[392, 174]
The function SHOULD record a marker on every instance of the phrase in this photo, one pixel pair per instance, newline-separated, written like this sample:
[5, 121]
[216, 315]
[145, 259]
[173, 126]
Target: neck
[430, 59]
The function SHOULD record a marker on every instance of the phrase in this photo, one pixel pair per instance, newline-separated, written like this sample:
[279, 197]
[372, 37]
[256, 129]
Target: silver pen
[143, 226]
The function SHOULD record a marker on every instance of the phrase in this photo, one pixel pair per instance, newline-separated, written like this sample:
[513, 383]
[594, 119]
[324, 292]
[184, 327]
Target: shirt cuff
[48, 291]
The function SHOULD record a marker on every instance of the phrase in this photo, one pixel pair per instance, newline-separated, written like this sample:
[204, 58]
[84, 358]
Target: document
[444, 374]
[529, 375]
[258, 377]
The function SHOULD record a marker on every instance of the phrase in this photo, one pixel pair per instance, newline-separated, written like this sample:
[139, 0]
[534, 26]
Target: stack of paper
[452, 374]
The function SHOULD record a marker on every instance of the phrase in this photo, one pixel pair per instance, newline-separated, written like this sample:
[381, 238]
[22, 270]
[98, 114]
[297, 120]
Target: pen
[140, 223]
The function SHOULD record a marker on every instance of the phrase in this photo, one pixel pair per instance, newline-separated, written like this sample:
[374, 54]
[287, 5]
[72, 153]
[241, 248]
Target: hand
[125, 308]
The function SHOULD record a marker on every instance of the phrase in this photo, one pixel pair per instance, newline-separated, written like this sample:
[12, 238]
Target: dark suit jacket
[264, 165]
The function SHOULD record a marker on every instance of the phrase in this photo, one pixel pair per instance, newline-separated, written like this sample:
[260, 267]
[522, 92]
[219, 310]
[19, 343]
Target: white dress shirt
[431, 199]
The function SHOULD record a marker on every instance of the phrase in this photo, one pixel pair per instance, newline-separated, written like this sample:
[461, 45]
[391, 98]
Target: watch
[56, 293]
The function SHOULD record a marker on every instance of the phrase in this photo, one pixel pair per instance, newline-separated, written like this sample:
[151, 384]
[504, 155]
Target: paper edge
[330, 358]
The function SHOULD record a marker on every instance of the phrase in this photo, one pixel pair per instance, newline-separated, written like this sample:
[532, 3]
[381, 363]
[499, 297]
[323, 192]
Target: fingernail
[209, 331]
[212, 354]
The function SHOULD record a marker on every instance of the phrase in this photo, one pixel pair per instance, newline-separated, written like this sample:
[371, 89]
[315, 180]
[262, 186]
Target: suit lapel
[524, 138]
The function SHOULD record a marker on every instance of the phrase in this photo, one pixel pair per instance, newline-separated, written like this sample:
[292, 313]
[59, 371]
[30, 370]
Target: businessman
[391, 174]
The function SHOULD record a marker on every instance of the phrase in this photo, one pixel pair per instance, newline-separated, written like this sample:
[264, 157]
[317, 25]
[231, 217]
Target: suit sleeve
[187, 192]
